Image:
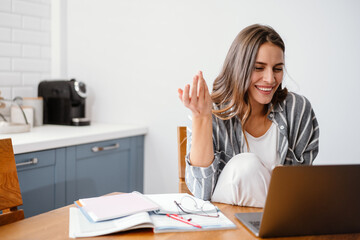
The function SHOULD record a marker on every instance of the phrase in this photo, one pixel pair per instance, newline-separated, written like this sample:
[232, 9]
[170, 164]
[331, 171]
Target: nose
[269, 76]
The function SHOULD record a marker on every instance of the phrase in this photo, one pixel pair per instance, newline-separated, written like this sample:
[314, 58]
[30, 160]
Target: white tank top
[265, 147]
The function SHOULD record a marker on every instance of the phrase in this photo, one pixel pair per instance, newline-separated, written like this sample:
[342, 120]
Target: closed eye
[258, 69]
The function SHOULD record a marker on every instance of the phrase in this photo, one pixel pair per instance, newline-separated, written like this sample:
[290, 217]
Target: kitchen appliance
[64, 102]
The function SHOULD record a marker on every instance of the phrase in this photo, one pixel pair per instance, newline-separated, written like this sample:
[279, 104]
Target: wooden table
[55, 225]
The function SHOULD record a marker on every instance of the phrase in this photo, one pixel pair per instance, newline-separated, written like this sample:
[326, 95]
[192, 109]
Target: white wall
[134, 54]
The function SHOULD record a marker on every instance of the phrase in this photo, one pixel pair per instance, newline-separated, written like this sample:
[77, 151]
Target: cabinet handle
[32, 161]
[99, 149]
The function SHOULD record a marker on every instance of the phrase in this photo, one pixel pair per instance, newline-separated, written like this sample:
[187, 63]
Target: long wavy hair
[230, 88]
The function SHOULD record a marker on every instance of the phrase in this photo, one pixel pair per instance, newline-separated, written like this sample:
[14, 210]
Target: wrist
[202, 127]
[202, 123]
[202, 119]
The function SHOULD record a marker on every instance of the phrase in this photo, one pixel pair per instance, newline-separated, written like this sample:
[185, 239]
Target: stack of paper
[82, 226]
[115, 206]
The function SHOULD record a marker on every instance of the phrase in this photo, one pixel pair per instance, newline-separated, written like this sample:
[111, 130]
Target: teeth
[265, 89]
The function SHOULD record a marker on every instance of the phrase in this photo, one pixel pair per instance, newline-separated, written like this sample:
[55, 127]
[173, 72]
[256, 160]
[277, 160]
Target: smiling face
[267, 75]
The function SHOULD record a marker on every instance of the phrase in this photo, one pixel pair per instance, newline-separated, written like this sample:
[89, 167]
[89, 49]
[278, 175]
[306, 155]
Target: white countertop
[56, 136]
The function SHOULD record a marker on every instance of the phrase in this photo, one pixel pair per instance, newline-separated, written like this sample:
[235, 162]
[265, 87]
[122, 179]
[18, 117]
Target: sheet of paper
[163, 223]
[166, 201]
[167, 204]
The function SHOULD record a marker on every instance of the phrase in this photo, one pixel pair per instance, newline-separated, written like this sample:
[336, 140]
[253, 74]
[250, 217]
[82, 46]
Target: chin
[264, 101]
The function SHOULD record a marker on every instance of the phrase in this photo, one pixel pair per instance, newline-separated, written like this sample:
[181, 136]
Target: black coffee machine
[64, 102]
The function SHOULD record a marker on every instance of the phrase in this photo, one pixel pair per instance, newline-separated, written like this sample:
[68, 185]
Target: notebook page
[167, 205]
[80, 226]
[114, 206]
[163, 223]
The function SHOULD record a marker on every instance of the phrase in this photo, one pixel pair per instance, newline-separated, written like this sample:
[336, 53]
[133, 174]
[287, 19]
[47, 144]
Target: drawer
[32, 160]
[102, 148]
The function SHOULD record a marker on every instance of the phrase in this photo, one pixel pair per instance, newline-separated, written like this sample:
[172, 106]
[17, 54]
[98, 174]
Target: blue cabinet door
[42, 180]
[103, 167]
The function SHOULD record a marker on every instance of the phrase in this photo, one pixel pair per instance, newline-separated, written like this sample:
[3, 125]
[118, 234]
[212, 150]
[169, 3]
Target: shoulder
[224, 127]
[296, 102]
[222, 123]
[296, 109]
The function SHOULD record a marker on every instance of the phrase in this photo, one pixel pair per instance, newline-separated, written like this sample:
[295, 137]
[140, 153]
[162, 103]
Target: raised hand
[198, 100]
[200, 104]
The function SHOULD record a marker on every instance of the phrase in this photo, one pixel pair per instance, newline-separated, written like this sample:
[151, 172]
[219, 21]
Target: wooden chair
[10, 194]
[182, 140]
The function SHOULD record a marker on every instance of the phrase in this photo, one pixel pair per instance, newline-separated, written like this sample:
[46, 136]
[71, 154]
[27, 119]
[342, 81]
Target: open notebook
[115, 206]
[80, 226]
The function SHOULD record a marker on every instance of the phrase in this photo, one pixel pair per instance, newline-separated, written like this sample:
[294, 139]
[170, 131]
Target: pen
[177, 217]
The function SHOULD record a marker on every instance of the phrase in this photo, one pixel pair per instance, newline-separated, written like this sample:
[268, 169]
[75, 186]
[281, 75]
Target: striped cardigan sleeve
[201, 181]
[303, 131]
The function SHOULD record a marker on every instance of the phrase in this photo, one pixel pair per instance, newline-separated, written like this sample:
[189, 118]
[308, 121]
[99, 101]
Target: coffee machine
[64, 102]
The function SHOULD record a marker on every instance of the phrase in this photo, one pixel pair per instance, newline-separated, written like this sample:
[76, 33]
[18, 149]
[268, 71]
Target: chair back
[10, 194]
[182, 142]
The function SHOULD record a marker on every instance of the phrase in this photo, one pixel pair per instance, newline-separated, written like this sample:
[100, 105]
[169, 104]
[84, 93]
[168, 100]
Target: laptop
[308, 200]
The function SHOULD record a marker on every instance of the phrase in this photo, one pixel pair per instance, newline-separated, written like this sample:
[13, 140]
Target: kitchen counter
[56, 136]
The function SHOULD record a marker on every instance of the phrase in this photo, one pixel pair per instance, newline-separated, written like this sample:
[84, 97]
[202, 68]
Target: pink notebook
[115, 206]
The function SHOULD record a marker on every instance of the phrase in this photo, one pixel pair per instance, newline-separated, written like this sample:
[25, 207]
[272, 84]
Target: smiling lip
[264, 89]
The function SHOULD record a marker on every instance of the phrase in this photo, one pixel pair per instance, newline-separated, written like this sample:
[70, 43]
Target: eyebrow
[262, 63]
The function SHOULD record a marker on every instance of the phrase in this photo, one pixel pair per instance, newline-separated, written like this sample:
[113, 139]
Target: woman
[248, 125]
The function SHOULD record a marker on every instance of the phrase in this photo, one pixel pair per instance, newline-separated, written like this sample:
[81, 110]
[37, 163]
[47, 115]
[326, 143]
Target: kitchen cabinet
[99, 168]
[54, 178]
[42, 180]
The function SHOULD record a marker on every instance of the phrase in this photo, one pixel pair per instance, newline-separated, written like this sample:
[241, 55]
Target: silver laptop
[308, 200]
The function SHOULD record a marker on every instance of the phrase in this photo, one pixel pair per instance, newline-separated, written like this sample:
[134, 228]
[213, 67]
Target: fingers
[185, 96]
[180, 92]
[196, 97]
[204, 93]
[202, 86]
[201, 75]
[194, 90]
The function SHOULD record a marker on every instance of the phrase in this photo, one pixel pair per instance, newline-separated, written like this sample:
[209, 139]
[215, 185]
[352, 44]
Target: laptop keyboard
[255, 224]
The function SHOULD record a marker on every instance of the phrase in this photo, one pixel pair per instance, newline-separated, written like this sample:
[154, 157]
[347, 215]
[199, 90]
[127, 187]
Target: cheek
[279, 77]
[255, 76]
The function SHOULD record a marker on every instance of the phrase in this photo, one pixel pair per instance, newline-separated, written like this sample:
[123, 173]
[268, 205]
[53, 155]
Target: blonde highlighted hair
[230, 87]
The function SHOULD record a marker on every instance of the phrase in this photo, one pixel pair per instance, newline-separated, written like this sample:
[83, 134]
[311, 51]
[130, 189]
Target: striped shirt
[298, 142]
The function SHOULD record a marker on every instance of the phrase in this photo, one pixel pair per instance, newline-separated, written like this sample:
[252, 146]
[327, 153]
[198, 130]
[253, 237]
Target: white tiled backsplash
[25, 51]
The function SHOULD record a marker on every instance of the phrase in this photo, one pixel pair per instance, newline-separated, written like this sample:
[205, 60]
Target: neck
[257, 109]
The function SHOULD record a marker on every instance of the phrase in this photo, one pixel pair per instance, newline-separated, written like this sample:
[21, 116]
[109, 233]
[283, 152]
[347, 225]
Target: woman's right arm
[200, 104]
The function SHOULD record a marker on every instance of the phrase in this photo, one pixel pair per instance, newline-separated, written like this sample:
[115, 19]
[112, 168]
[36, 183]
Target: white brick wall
[5, 34]
[5, 5]
[25, 50]
[5, 64]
